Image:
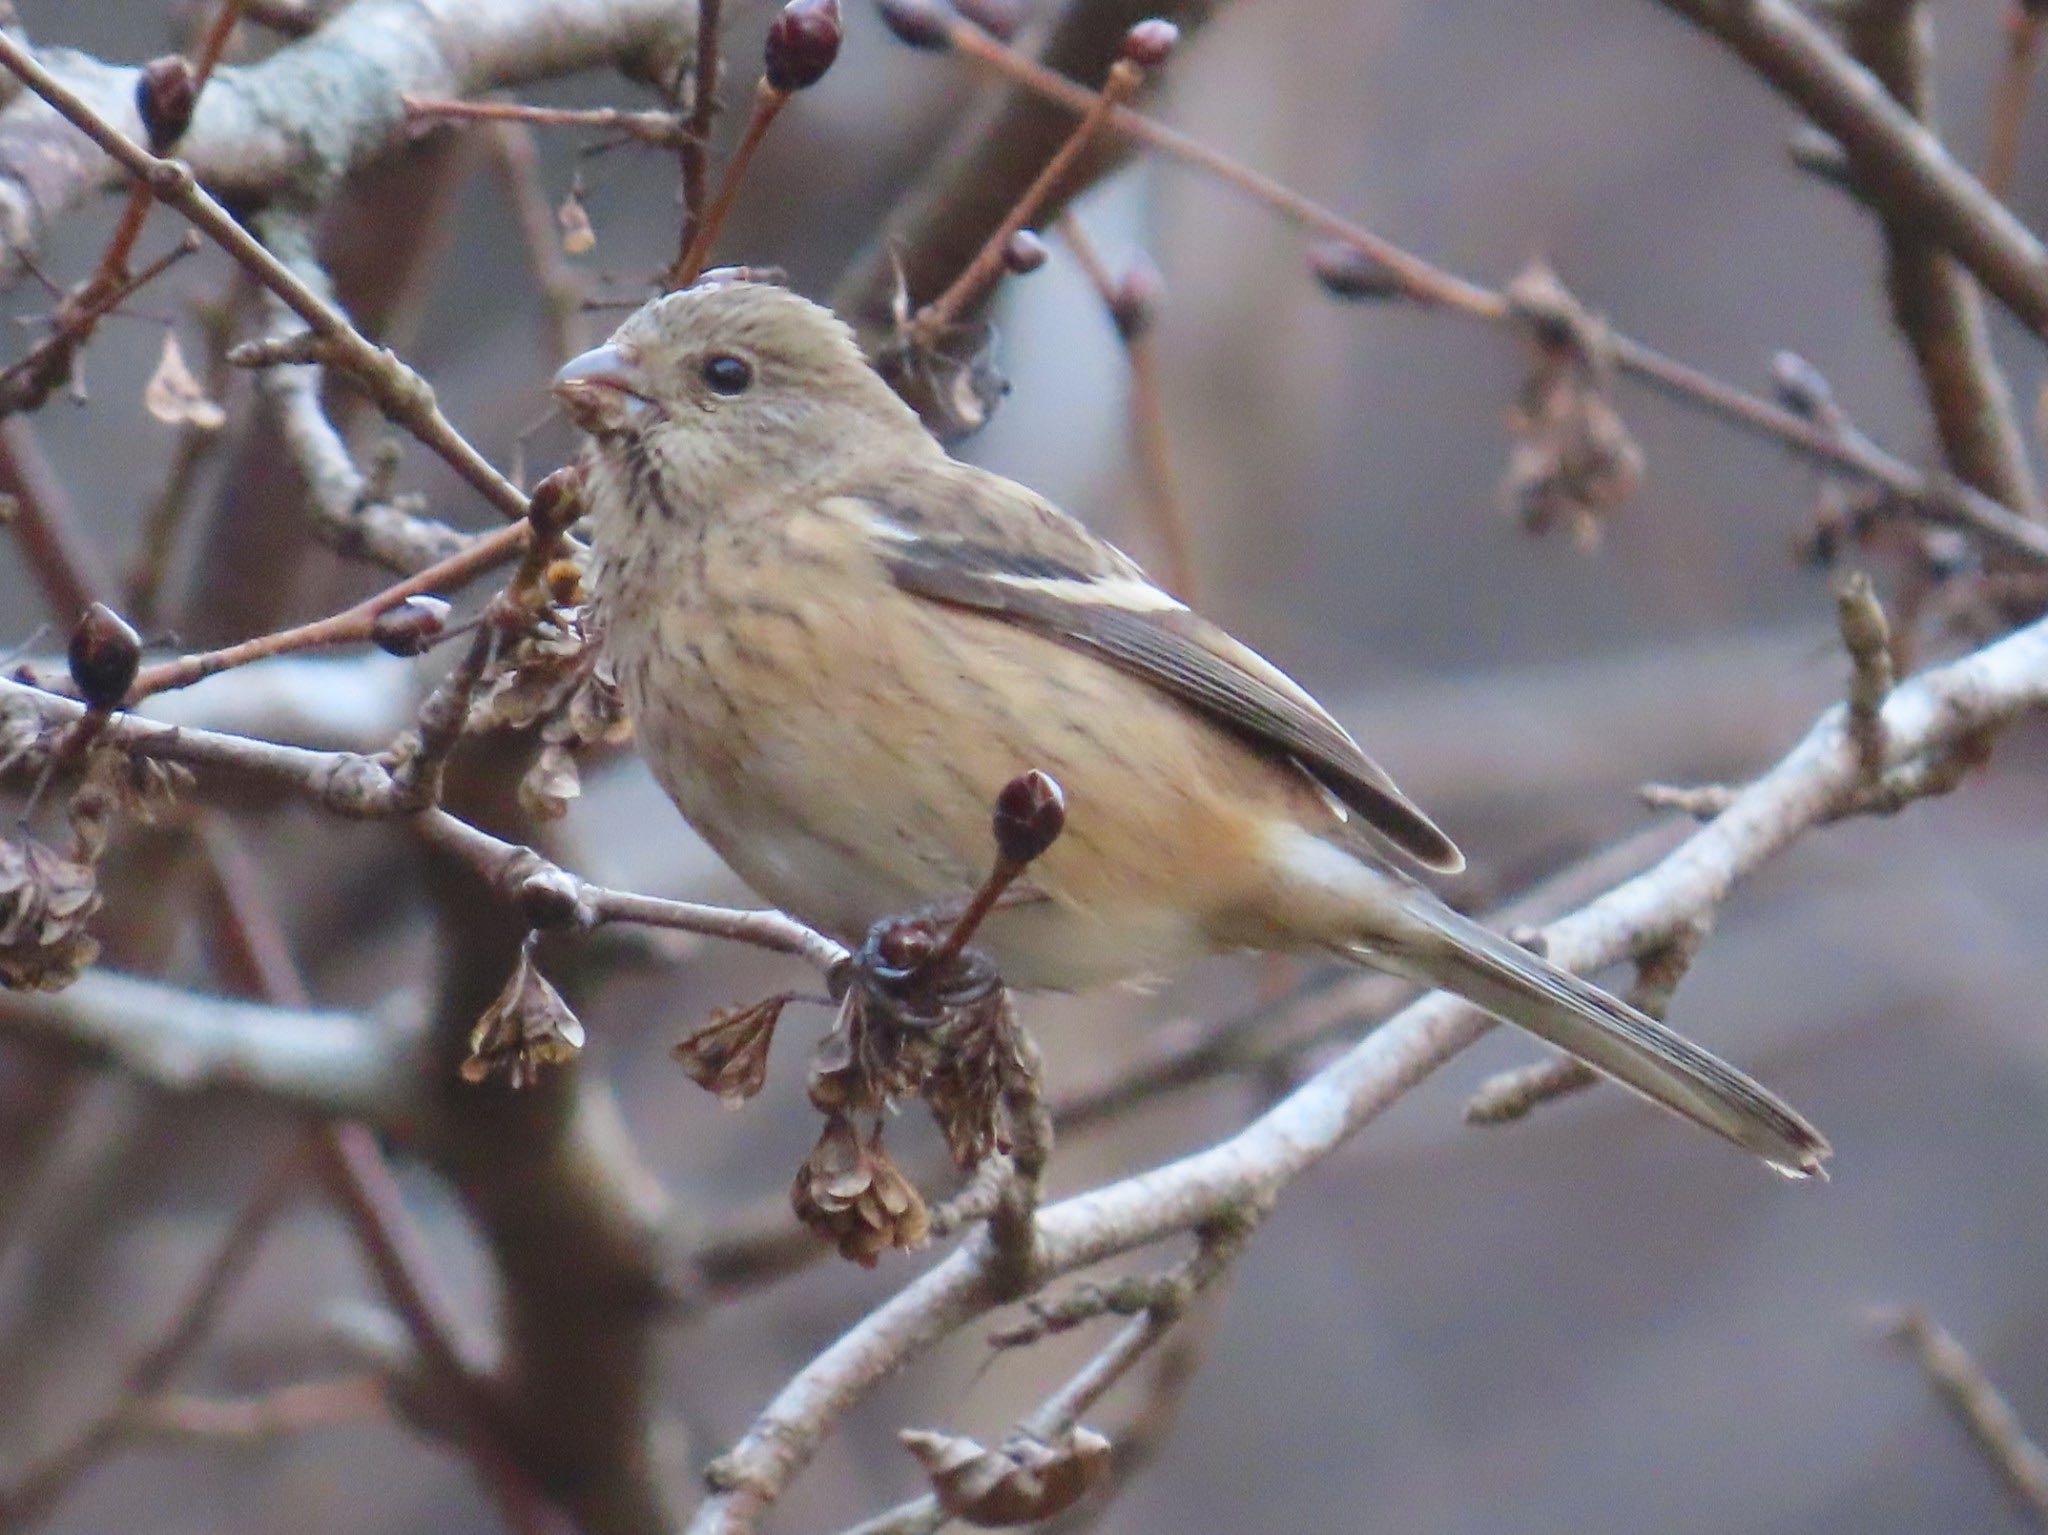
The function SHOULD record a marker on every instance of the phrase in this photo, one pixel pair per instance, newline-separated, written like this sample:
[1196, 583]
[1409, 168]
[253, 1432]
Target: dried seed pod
[1150, 43]
[174, 394]
[104, 655]
[1031, 812]
[572, 218]
[729, 1055]
[165, 94]
[803, 42]
[1019, 1482]
[412, 627]
[46, 900]
[919, 23]
[529, 1026]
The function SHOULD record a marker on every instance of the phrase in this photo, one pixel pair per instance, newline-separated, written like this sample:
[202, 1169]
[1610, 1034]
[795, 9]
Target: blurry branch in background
[2023, 22]
[290, 128]
[1132, 304]
[1934, 302]
[1994, 1428]
[1894, 156]
[1372, 267]
[976, 178]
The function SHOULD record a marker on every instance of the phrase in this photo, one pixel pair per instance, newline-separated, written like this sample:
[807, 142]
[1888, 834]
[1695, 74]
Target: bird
[837, 643]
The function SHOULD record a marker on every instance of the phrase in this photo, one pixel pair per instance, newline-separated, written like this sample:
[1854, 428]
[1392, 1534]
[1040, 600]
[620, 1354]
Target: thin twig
[1935, 497]
[1934, 303]
[404, 397]
[657, 128]
[2024, 20]
[979, 275]
[1130, 307]
[1994, 1428]
[694, 148]
[35, 1494]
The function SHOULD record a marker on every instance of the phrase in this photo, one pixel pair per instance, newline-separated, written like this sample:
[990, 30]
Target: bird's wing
[1044, 572]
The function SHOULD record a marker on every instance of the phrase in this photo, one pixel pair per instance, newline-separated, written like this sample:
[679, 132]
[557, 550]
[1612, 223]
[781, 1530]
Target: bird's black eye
[727, 374]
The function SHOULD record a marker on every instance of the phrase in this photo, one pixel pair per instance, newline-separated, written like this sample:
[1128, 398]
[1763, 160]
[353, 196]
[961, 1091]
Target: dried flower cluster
[850, 1192]
[1573, 461]
[552, 676]
[47, 897]
[45, 901]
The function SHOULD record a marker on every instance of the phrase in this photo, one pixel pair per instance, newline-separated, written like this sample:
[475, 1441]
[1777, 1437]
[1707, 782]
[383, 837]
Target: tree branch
[290, 128]
[1898, 158]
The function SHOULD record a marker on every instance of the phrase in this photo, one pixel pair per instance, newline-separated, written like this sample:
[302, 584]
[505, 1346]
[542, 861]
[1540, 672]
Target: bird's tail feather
[1457, 954]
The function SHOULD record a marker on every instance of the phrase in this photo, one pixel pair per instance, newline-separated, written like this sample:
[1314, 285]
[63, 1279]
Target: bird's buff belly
[840, 830]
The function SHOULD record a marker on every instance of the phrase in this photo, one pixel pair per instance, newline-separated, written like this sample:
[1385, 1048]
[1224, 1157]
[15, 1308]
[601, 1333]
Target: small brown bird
[838, 643]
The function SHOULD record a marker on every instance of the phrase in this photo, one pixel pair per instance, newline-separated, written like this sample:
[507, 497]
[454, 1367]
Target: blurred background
[1594, 1321]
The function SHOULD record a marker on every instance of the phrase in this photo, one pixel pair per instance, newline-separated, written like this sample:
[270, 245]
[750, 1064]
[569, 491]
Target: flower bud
[1134, 304]
[905, 945]
[920, 23]
[104, 655]
[1801, 387]
[165, 94]
[410, 628]
[1150, 43]
[556, 503]
[1031, 812]
[1024, 253]
[1349, 273]
[999, 18]
[803, 40]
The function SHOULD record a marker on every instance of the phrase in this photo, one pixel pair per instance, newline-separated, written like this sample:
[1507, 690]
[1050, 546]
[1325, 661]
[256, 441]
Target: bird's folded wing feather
[1044, 572]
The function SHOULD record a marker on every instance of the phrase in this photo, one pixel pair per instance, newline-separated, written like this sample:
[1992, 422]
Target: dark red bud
[104, 655]
[803, 40]
[1025, 252]
[998, 18]
[1349, 273]
[920, 23]
[1150, 43]
[555, 504]
[905, 946]
[165, 94]
[1135, 303]
[1031, 812]
[411, 628]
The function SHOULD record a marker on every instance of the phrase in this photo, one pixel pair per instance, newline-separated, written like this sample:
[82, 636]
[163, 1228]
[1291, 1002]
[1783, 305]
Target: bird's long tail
[1450, 951]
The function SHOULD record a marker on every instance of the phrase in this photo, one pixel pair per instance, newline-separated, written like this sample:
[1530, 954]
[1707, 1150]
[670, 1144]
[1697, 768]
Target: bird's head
[732, 382]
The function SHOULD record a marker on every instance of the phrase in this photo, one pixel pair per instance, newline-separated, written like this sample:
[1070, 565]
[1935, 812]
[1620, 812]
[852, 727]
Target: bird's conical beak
[604, 390]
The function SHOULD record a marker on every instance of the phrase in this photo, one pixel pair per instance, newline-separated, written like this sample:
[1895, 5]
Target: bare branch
[290, 128]
[1934, 302]
[1898, 158]
[1994, 1428]
[323, 1063]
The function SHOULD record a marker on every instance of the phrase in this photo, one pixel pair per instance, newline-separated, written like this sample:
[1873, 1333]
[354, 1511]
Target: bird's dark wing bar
[1134, 626]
